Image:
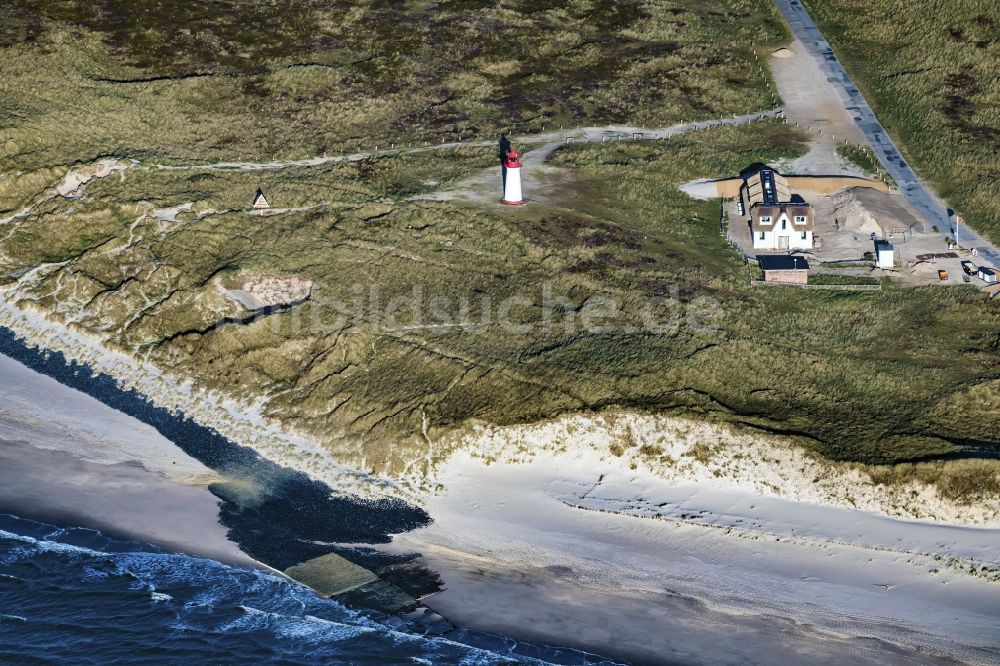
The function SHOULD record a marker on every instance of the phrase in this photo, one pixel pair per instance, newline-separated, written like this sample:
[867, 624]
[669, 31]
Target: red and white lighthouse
[512, 179]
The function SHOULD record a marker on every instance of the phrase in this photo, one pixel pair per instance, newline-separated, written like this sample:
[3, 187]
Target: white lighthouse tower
[512, 179]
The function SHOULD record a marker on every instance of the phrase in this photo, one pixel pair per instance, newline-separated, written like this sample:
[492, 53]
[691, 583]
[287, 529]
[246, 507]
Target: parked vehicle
[969, 268]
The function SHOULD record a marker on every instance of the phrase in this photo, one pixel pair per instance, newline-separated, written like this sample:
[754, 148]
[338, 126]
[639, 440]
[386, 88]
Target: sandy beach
[720, 578]
[66, 457]
[753, 554]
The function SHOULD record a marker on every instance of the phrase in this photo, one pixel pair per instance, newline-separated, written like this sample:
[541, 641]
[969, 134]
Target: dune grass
[502, 315]
[929, 70]
[427, 315]
[828, 278]
[864, 373]
[236, 80]
[963, 481]
[866, 161]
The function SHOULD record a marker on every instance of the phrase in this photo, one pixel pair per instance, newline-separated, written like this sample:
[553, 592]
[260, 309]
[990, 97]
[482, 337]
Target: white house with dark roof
[778, 219]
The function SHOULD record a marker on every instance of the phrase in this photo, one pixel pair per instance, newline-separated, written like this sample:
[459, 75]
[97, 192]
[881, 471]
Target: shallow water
[77, 595]
[72, 595]
[277, 515]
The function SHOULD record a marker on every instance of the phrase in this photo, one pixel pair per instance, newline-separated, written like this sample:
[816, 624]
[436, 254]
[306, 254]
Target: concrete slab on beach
[330, 575]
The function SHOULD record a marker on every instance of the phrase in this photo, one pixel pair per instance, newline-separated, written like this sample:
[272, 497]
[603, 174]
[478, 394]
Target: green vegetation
[178, 82]
[426, 311]
[865, 160]
[838, 265]
[863, 376]
[828, 278]
[961, 480]
[929, 69]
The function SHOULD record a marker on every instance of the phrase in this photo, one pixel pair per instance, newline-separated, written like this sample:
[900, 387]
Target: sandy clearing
[73, 183]
[170, 214]
[539, 178]
[680, 450]
[701, 188]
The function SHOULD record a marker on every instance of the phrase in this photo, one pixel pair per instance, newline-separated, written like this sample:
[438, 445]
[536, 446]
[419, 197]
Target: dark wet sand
[123, 500]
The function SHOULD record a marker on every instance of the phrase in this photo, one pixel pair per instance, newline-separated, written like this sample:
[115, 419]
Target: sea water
[76, 596]
[72, 595]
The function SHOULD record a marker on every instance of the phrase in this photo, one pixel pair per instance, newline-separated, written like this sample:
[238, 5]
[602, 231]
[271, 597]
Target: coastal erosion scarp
[672, 449]
[84, 452]
[70, 459]
[613, 464]
[104, 457]
[240, 421]
[678, 450]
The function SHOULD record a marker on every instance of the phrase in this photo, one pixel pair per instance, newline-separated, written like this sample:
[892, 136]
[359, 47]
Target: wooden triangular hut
[260, 201]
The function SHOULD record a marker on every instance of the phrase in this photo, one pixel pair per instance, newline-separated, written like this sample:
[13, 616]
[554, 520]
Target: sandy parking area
[812, 102]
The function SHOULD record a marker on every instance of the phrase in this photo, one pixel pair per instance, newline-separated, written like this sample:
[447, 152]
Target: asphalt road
[930, 208]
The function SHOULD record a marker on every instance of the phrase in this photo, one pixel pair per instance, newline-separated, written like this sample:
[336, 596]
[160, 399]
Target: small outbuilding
[784, 268]
[885, 254]
[987, 275]
[260, 201]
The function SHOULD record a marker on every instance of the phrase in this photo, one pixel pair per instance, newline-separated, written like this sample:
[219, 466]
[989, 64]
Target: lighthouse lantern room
[512, 179]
